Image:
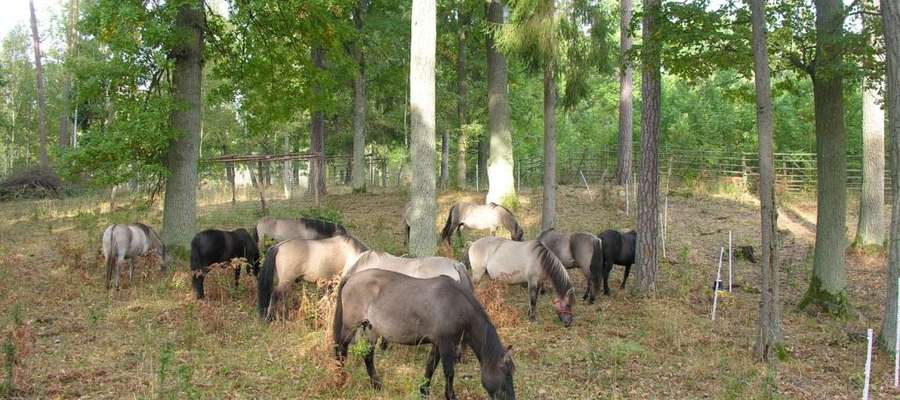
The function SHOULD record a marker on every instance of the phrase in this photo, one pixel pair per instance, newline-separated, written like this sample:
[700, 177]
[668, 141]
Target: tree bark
[287, 171]
[41, 97]
[180, 206]
[769, 322]
[890, 14]
[501, 183]
[648, 201]
[317, 135]
[65, 124]
[359, 106]
[463, 101]
[548, 209]
[623, 162]
[828, 284]
[445, 155]
[870, 227]
[423, 44]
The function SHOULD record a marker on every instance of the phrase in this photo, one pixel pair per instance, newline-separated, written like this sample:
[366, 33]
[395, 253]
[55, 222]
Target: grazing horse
[524, 262]
[480, 216]
[125, 242]
[309, 259]
[420, 267]
[411, 311]
[581, 249]
[618, 248]
[214, 246]
[303, 228]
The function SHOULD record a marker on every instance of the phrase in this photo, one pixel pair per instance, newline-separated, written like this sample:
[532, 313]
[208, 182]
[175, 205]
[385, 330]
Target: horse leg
[589, 295]
[369, 359]
[533, 290]
[625, 278]
[607, 268]
[448, 362]
[118, 271]
[430, 366]
[237, 276]
[130, 269]
[197, 281]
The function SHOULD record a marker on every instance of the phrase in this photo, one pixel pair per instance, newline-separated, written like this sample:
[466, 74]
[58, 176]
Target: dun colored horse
[411, 311]
[310, 260]
[420, 267]
[524, 262]
[303, 228]
[125, 242]
[578, 249]
[480, 216]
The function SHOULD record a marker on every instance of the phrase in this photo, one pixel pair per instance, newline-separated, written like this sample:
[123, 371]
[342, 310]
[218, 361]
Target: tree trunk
[463, 102]
[890, 14]
[317, 135]
[65, 124]
[180, 207]
[501, 184]
[623, 162]
[769, 322]
[548, 209]
[41, 97]
[422, 98]
[648, 202]
[359, 106]
[445, 155]
[828, 285]
[870, 227]
[287, 173]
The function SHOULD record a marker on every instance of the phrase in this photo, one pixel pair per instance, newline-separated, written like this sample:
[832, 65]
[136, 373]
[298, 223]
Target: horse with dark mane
[308, 259]
[480, 216]
[214, 246]
[411, 311]
[123, 242]
[578, 249]
[618, 248]
[303, 228]
[524, 262]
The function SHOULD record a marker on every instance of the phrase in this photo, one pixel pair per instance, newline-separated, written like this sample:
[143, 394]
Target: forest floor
[71, 338]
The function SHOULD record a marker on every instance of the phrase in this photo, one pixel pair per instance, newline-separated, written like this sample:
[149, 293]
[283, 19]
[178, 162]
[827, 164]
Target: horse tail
[337, 326]
[111, 254]
[197, 266]
[597, 260]
[452, 221]
[265, 282]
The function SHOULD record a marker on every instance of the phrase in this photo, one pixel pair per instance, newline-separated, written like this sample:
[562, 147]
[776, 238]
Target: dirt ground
[71, 338]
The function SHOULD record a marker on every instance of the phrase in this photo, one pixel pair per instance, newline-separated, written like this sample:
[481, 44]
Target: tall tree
[423, 45]
[870, 227]
[462, 106]
[548, 208]
[890, 17]
[316, 178]
[502, 188]
[623, 163]
[287, 169]
[648, 201]
[359, 103]
[41, 97]
[828, 284]
[769, 321]
[445, 156]
[65, 127]
[180, 206]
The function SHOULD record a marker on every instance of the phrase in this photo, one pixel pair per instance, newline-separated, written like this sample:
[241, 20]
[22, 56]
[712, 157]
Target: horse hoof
[376, 385]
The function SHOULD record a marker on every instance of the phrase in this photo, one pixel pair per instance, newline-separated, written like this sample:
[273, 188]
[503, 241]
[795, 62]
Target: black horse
[213, 246]
[618, 248]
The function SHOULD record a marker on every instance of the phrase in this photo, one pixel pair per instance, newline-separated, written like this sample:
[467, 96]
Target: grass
[72, 338]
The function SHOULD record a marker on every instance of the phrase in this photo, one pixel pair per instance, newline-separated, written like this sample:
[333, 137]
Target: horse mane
[357, 244]
[491, 347]
[323, 227]
[545, 232]
[554, 269]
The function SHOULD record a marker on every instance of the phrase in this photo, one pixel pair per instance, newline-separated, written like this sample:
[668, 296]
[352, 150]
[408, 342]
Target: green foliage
[325, 214]
[360, 347]
[836, 304]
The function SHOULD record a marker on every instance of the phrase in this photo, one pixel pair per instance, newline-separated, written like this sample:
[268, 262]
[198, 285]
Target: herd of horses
[401, 300]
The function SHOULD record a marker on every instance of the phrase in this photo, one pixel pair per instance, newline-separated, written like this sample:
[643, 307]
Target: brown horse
[411, 311]
[311, 260]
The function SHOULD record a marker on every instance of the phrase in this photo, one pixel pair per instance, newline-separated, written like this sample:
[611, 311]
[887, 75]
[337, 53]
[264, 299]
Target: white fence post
[716, 283]
[868, 367]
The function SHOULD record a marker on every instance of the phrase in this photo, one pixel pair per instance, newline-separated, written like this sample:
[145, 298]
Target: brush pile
[30, 183]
